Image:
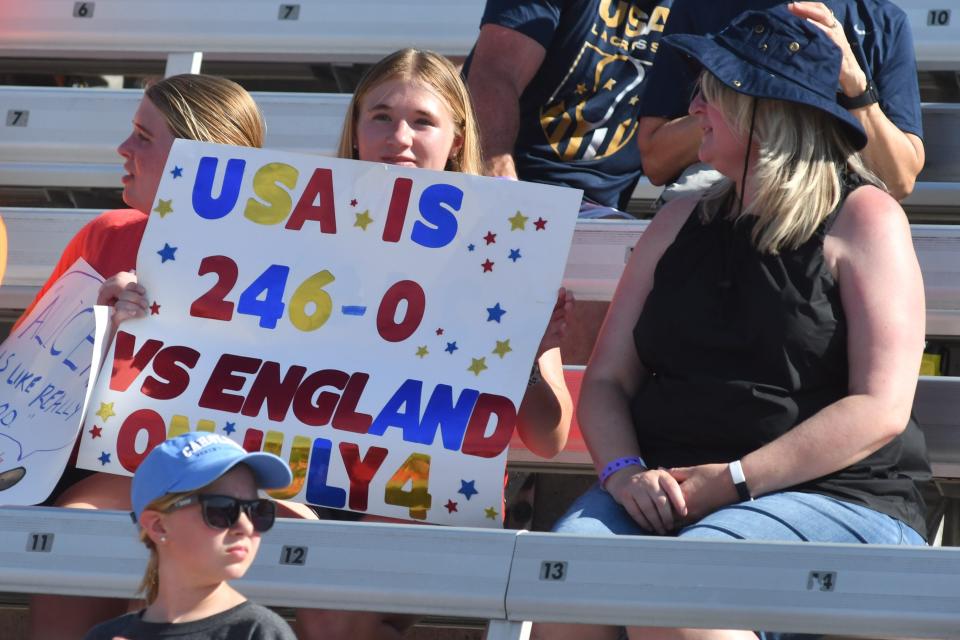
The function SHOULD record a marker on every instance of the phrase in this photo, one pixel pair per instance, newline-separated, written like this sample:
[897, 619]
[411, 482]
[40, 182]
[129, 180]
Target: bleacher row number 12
[83, 9]
[289, 12]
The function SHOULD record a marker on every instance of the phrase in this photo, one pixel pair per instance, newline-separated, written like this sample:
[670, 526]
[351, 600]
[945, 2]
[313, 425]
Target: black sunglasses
[222, 512]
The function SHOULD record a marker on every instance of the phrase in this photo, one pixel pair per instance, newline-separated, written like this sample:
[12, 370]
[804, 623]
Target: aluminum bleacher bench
[510, 577]
[314, 30]
[255, 30]
[55, 137]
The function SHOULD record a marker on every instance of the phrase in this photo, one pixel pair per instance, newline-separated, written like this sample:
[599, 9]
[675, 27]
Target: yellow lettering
[277, 199]
[659, 18]
[612, 21]
[180, 425]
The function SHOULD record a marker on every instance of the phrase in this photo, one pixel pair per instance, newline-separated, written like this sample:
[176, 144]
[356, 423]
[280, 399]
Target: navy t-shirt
[884, 47]
[578, 115]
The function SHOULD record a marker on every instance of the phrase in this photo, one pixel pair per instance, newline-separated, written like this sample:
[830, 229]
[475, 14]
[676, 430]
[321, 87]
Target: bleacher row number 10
[938, 17]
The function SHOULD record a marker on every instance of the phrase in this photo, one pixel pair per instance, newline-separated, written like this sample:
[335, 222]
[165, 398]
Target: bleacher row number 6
[83, 9]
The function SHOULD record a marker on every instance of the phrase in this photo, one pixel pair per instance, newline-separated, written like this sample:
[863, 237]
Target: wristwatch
[865, 99]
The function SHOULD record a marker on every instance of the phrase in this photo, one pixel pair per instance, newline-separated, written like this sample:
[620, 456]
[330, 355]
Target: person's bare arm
[504, 62]
[894, 155]
[667, 147]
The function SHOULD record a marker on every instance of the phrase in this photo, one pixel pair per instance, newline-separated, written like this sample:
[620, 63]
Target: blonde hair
[802, 155]
[209, 109]
[150, 584]
[440, 76]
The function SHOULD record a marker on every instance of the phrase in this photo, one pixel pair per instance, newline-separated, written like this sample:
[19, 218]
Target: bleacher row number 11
[39, 542]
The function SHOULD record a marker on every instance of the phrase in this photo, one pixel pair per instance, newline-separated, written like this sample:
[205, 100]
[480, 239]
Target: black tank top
[742, 346]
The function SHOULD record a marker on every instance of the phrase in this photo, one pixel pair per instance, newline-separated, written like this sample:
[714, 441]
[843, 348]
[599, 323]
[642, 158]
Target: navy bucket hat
[777, 55]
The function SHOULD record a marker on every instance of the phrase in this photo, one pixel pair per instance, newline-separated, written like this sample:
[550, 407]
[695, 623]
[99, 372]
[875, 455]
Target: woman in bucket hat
[195, 499]
[778, 324]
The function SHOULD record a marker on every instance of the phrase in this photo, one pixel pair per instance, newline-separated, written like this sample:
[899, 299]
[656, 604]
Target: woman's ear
[457, 145]
[154, 524]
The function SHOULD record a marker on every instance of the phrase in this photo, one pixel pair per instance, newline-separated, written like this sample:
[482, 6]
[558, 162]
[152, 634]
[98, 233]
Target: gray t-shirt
[246, 621]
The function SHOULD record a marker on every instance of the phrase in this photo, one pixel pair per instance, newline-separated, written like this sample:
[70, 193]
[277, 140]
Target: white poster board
[373, 325]
[45, 364]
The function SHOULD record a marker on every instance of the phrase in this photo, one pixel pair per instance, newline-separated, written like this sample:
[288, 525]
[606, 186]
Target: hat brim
[743, 77]
[269, 472]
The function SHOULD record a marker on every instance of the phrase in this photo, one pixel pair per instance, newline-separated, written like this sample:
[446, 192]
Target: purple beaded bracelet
[618, 464]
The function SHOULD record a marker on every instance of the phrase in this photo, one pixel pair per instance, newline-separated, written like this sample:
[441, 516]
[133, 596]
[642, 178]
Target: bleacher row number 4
[938, 17]
[39, 542]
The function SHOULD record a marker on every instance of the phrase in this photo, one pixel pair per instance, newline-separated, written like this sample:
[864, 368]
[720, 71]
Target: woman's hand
[652, 497]
[125, 295]
[705, 488]
[557, 326]
[852, 79]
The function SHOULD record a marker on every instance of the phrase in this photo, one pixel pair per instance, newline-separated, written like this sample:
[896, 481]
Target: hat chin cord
[746, 159]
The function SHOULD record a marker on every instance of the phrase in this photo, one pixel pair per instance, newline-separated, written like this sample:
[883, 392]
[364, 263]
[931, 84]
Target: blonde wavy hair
[801, 157]
[209, 109]
[438, 75]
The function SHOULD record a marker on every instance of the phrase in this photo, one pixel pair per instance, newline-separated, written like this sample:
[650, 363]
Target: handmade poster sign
[373, 325]
[45, 364]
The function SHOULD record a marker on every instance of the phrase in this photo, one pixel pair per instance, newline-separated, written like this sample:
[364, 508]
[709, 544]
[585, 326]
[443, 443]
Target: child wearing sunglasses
[195, 499]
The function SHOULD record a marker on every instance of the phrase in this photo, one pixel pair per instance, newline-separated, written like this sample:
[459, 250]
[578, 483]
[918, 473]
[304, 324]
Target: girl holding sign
[185, 106]
[195, 499]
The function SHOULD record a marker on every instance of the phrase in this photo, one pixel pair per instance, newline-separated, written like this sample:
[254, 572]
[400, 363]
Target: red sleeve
[109, 243]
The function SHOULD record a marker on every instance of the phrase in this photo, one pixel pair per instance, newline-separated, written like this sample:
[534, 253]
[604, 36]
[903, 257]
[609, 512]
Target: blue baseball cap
[775, 54]
[194, 460]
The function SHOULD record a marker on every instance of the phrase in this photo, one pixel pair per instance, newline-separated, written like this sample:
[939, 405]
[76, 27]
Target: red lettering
[223, 379]
[126, 365]
[277, 392]
[321, 184]
[397, 212]
[253, 440]
[140, 420]
[387, 325]
[347, 418]
[361, 471]
[475, 442]
[317, 412]
[166, 365]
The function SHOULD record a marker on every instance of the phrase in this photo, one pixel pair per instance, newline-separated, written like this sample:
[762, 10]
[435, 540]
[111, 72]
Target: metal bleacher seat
[510, 577]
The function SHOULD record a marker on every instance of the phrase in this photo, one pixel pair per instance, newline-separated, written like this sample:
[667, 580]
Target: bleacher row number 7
[17, 117]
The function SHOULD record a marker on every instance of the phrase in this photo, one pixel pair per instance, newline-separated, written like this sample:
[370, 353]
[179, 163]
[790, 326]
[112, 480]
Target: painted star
[494, 313]
[451, 506]
[515, 254]
[353, 202]
[154, 309]
[490, 238]
[467, 488]
[163, 207]
[487, 265]
[95, 432]
[540, 224]
[608, 85]
[177, 172]
[422, 351]
[106, 411]
[471, 247]
[491, 513]
[451, 347]
[229, 428]
[581, 88]
[439, 332]
[518, 221]
[634, 100]
[363, 220]
[502, 348]
[477, 365]
[104, 458]
[167, 253]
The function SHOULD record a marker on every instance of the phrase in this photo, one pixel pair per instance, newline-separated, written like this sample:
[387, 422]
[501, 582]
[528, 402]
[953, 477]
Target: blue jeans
[790, 516]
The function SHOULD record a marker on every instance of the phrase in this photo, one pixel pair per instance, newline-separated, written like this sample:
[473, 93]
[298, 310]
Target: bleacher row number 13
[553, 570]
